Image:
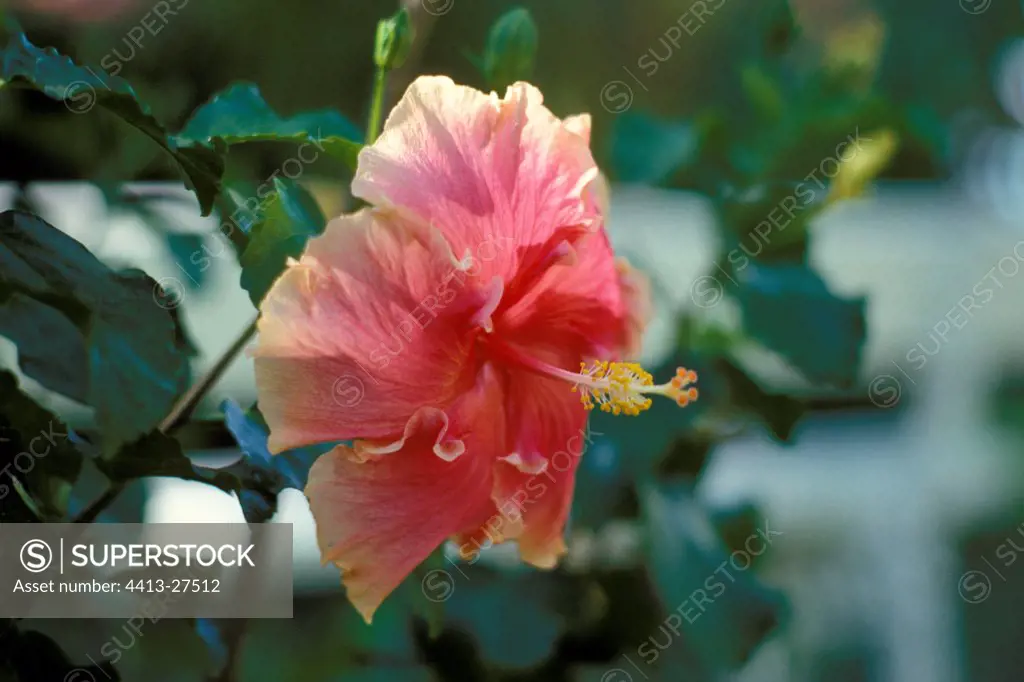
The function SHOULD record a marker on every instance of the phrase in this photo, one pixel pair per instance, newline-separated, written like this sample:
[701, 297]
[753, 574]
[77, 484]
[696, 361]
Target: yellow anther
[623, 387]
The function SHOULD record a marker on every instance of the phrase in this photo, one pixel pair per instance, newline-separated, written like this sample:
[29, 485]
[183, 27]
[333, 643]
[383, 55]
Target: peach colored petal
[479, 168]
[378, 518]
[579, 124]
[372, 323]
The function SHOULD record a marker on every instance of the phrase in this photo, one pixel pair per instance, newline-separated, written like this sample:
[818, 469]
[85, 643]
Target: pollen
[624, 387]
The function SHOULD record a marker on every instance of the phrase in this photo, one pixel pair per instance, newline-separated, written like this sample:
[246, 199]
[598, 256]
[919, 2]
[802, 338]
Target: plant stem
[187, 403]
[380, 81]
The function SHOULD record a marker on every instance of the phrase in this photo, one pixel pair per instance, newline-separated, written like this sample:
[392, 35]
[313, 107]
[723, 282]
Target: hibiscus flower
[457, 332]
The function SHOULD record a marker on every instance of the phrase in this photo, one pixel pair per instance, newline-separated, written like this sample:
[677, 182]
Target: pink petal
[493, 175]
[533, 489]
[381, 511]
[371, 324]
[576, 307]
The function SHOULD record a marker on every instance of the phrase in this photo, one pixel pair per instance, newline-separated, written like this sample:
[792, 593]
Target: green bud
[394, 39]
[511, 49]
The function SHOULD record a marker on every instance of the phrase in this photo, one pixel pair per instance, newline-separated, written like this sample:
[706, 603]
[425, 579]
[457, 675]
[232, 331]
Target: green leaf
[263, 476]
[81, 88]
[138, 356]
[511, 51]
[791, 311]
[35, 449]
[51, 350]
[183, 248]
[431, 610]
[34, 656]
[768, 222]
[687, 456]
[157, 454]
[239, 114]
[649, 150]
[781, 31]
[290, 218]
[720, 608]
[763, 91]
[780, 413]
[528, 631]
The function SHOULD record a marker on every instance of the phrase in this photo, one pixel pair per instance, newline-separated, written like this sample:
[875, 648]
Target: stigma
[626, 387]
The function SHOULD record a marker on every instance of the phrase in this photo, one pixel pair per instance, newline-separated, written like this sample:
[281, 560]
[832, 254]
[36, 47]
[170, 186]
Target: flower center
[616, 387]
[623, 387]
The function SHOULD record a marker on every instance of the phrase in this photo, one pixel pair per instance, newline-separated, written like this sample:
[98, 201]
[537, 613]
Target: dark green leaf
[781, 30]
[649, 151]
[51, 350]
[722, 611]
[239, 114]
[290, 218]
[80, 88]
[138, 357]
[184, 248]
[687, 455]
[35, 657]
[529, 627]
[157, 454]
[735, 523]
[768, 223]
[35, 449]
[791, 311]
[780, 413]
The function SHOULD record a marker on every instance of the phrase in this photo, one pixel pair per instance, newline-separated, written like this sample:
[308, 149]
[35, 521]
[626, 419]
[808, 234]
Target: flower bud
[511, 49]
[394, 39]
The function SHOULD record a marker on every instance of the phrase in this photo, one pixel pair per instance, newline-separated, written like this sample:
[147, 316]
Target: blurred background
[826, 195]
